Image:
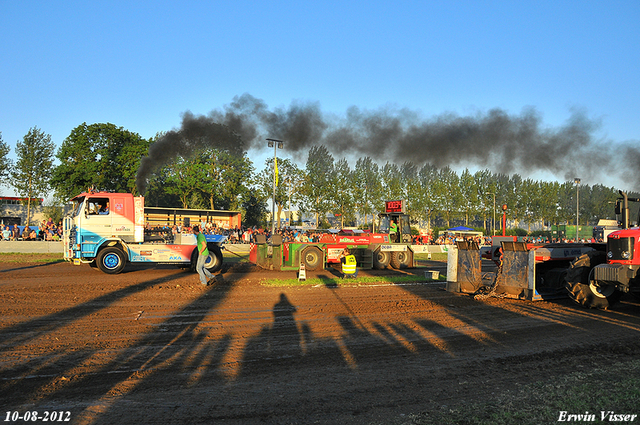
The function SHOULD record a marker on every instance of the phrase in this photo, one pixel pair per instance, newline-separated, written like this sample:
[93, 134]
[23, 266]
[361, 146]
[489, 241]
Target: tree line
[107, 157]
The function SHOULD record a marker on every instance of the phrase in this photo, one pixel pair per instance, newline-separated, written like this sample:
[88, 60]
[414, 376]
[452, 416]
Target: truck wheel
[194, 259]
[580, 287]
[381, 259]
[215, 260]
[312, 258]
[400, 259]
[111, 260]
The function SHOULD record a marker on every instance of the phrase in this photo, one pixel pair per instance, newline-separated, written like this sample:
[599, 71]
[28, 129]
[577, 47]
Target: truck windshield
[406, 226]
[76, 206]
[384, 224]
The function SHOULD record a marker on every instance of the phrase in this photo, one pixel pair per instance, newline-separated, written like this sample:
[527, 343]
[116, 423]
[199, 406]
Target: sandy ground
[151, 345]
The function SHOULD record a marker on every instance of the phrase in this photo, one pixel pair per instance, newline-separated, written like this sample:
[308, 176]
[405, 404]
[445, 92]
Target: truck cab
[108, 230]
[403, 223]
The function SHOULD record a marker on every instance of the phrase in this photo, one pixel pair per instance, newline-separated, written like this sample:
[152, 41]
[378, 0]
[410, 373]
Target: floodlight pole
[493, 225]
[276, 144]
[577, 182]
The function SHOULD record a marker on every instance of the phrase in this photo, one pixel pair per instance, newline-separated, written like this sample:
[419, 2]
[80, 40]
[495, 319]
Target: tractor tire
[400, 259]
[582, 290]
[111, 260]
[381, 259]
[312, 258]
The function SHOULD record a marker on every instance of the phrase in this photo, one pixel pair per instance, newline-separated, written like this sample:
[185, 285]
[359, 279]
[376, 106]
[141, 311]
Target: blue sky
[140, 64]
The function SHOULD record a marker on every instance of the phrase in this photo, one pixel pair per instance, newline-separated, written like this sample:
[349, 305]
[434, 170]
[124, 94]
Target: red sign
[394, 206]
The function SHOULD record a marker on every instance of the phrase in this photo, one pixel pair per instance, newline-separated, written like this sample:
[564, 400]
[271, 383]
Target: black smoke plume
[502, 142]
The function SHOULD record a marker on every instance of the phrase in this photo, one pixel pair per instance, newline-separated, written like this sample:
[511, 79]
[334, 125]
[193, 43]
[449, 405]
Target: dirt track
[152, 346]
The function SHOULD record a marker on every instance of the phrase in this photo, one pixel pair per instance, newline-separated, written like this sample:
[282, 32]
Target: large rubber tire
[194, 259]
[381, 259]
[312, 258]
[400, 259]
[215, 260]
[580, 288]
[111, 260]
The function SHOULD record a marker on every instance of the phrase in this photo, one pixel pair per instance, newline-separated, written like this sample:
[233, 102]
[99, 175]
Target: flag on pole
[276, 169]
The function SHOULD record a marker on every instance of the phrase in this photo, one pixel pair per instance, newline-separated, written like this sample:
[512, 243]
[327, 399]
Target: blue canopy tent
[460, 229]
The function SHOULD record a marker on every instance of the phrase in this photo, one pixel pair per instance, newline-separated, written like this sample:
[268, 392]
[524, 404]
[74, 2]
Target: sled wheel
[381, 259]
[400, 259]
[312, 258]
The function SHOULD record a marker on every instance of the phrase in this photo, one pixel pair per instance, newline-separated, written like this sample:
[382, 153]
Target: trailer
[373, 250]
[108, 230]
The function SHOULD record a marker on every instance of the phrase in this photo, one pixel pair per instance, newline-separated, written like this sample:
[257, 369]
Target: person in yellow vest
[349, 264]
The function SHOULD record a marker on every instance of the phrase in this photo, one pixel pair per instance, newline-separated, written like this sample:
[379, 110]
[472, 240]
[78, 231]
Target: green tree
[531, 201]
[184, 180]
[157, 194]
[369, 187]
[392, 184]
[100, 155]
[55, 212]
[254, 209]
[469, 202]
[485, 186]
[566, 211]
[5, 161]
[227, 178]
[423, 205]
[450, 193]
[290, 178]
[514, 199]
[319, 182]
[345, 192]
[548, 204]
[34, 165]
[410, 185]
[599, 204]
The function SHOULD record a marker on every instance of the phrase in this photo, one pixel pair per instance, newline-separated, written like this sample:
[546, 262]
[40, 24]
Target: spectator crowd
[47, 230]
[245, 234]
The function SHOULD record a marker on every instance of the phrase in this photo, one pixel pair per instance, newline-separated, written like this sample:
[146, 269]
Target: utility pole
[275, 144]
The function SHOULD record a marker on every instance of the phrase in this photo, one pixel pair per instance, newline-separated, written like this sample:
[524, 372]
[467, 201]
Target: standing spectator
[203, 254]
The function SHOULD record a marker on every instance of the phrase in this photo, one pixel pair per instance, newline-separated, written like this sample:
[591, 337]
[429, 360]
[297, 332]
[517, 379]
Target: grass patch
[441, 256]
[614, 387]
[336, 281]
[22, 257]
